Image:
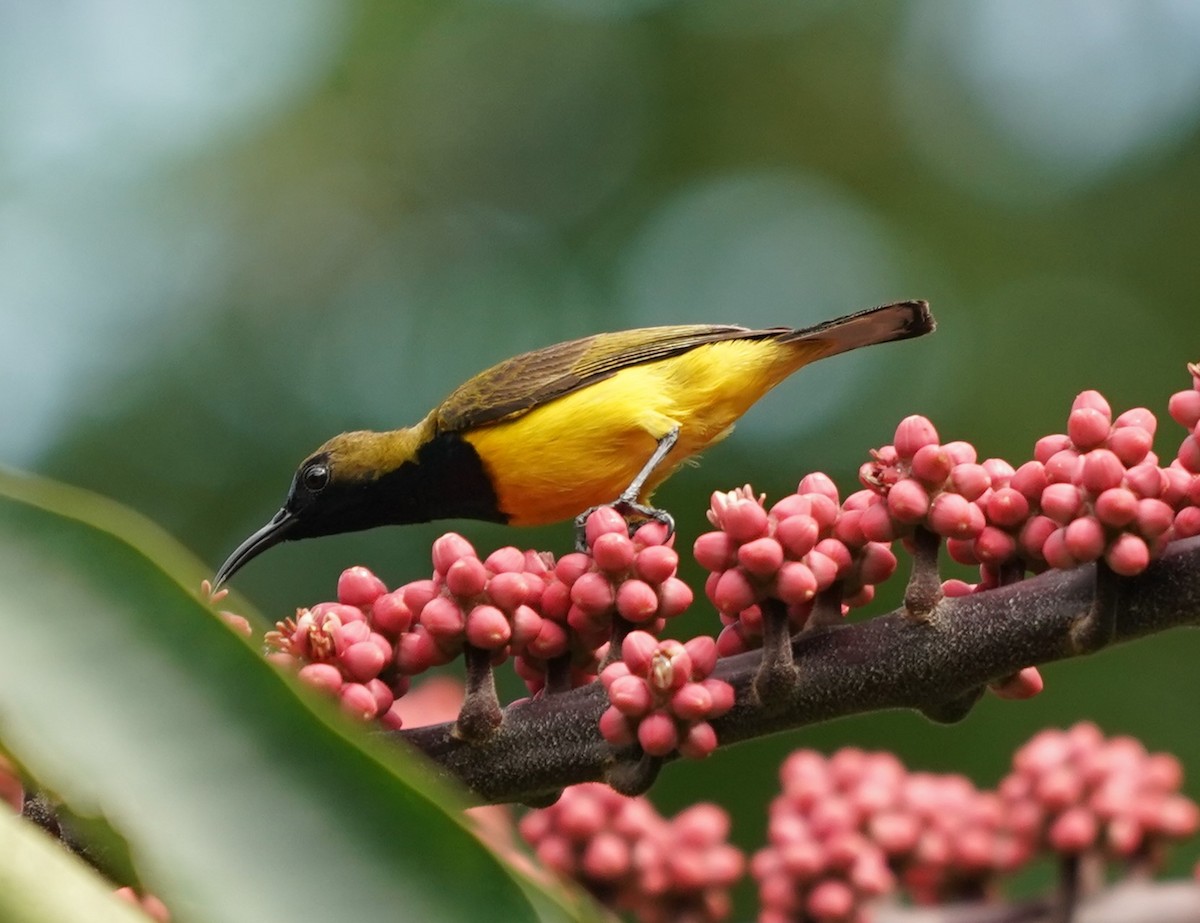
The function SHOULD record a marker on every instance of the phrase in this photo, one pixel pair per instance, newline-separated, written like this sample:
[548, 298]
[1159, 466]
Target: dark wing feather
[524, 382]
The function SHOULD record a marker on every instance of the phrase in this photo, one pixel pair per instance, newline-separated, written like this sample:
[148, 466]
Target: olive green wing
[524, 382]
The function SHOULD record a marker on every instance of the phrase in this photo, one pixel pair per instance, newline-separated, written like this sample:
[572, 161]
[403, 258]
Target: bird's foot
[635, 515]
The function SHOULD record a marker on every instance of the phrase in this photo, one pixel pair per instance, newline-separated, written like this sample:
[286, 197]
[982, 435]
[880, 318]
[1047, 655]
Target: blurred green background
[228, 231]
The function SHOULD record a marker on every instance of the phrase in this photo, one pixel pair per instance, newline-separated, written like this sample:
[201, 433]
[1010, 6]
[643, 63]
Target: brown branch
[891, 661]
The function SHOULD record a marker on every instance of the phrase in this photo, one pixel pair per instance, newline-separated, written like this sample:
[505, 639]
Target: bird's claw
[635, 515]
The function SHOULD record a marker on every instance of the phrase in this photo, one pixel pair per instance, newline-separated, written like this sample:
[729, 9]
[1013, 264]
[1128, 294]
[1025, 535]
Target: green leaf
[40, 882]
[240, 796]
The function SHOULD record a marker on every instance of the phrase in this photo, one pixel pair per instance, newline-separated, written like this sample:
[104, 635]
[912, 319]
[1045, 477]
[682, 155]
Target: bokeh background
[228, 231]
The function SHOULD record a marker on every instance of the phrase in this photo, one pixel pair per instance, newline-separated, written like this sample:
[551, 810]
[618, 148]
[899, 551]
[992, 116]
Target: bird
[554, 433]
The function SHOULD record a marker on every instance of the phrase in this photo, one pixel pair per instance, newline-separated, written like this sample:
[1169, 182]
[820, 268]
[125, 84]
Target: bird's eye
[316, 477]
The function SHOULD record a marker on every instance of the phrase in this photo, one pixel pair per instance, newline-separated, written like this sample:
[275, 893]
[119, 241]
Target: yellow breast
[584, 448]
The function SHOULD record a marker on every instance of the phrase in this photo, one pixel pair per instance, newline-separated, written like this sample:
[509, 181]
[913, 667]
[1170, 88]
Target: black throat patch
[446, 480]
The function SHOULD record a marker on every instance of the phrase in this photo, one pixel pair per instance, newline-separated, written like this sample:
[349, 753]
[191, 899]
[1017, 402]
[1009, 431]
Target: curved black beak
[269, 535]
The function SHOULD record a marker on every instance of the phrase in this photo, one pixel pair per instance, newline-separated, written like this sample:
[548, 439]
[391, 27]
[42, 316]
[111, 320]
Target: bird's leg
[627, 503]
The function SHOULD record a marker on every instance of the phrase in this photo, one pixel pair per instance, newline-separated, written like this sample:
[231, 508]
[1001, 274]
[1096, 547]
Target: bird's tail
[900, 321]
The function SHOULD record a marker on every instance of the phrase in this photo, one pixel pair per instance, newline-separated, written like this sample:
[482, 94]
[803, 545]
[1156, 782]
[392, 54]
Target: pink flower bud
[744, 519]
[466, 577]
[1056, 552]
[970, 480]
[1093, 400]
[998, 471]
[416, 652]
[526, 627]
[487, 628]
[1145, 480]
[823, 568]
[637, 651]
[1085, 538]
[323, 676]
[631, 696]
[593, 593]
[1030, 479]
[1184, 407]
[823, 510]
[876, 523]
[651, 534]
[1061, 502]
[908, 501]
[1178, 483]
[1116, 507]
[913, 433]
[932, 465]
[761, 557]
[390, 614]
[613, 552]
[674, 597]
[604, 521]
[1153, 518]
[1064, 466]
[1131, 444]
[505, 560]
[1007, 507]
[357, 701]
[656, 563]
[363, 661]
[994, 546]
[606, 858]
[699, 742]
[953, 516]
[715, 551]
[702, 651]
[796, 583]
[1137, 418]
[1024, 684]
[877, 563]
[961, 452]
[636, 601]
[837, 552]
[510, 589]
[416, 594]
[449, 548]
[722, 696]
[443, 618]
[831, 899]
[1074, 831]
[818, 483]
[733, 592]
[1127, 555]
[797, 534]
[358, 586]
[657, 735]
[1187, 522]
[1189, 454]
[616, 728]
[1101, 470]
[691, 702]
[1048, 446]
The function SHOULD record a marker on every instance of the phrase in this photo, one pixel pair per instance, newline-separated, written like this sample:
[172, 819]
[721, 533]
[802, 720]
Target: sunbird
[553, 433]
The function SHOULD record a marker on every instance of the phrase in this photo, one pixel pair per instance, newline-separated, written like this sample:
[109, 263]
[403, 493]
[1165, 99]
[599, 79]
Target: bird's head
[338, 488]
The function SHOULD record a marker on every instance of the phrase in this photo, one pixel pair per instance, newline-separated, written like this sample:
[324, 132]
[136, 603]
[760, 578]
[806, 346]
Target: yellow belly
[584, 449]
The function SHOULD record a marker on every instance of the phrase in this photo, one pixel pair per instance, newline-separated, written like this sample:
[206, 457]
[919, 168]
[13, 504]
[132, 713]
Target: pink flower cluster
[1078, 791]
[630, 578]
[1096, 491]
[633, 859]
[492, 604]
[804, 545]
[662, 696]
[348, 648]
[844, 829]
